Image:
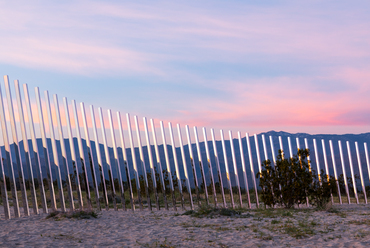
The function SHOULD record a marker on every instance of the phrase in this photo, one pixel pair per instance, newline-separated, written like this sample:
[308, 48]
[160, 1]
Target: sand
[343, 226]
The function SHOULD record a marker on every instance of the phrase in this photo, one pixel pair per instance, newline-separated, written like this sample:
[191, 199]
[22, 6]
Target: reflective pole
[360, 170]
[264, 147]
[64, 153]
[244, 170]
[151, 164]
[185, 167]
[252, 167]
[352, 173]
[100, 161]
[82, 156]
[218, 167]
[281, 147]
[298, 148]
[290, 147]
[326, 166]
[317, 159]
[192, 164]
[159, 164]
[235, 168]
[91, 158]
[55, 152]
[107, 159]
[335, 170]
[133, 154]
[308, 157]
[17, 154]
[210, 166]
[258, 153]
[143, 164]
[367, 159]
[176, 165]
[4, 192]
[47, 155]
[116, 160]
[73, 154]
[201, 164]
[272, 150]
[168, 166]
[344, 171]
[28, 155]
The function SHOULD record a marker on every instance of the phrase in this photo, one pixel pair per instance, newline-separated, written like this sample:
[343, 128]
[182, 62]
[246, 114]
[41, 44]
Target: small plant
[57, 215]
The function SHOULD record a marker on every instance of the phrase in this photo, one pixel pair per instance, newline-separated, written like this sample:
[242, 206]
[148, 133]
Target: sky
[249, 66]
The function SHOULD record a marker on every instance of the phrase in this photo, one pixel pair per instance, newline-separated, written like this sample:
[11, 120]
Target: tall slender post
[73, 154]
[209, 162]
[326, 166]
[100, 161]
[335, 170]
[272, 150]
[82, 156]
[258, 153]
[218, 167]
[168, 166]
[244, 170]
[143, 164]
[367, 159]
[47, 155]
[281, 147]
[91, 158]
[308, 157]
[133, 154]
[192, 164]
[17, 154]
[290, 147]
[125, 161]
[360, 171]
[159, 164]
[4, 192]
[252, 168]
[344, 171]
[107, 159]
[264, 147]
[352, 173]
[201, 164]
[317, 159]
[151, 164]
[176, 165]
[116, 160]
[28, 155]
[185, 166]
[227, 169]
[235, 168]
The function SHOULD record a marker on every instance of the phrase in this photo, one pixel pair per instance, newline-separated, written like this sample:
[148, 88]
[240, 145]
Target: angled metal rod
[258, 153]
[218, 167]
[4, 191]
[28, 154]
[235, 168]
[290, 147]
[352, 173]
[64, 154]
[159, 165]
[107, 159]
[360, 171]
[193, 164]
[298, 148]
[252, 167]
[47, 156]
[55, 152]
[116, 160]
[264, 147]
[168, 165]
[185, 167]
[244, 170]
[227, 169]
[281, 147]
[272, 150]
[91, 158]
[344, 171]
[308, 157]
[326, 166]
[151, 163]
[367, 159]
[73, 155]
[100, 161]
[17, 150]
[335, 170]
[125, 161]
[143, 167]
[176, 166]
[201, 164]
[317, 159]
[85, 179]
[133, 154]
[209, 162]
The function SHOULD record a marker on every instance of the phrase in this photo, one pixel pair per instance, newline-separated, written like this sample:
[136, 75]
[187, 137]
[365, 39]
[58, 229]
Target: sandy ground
[343, 226]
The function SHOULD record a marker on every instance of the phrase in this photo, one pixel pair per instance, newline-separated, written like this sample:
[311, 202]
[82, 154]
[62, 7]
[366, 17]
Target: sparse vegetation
[57, 215]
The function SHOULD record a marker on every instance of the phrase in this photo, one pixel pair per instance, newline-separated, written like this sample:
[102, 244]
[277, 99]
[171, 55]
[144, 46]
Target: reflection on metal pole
[258, 153]
[235, 168]
[193, 164]
[326, 166]
[244, 170]
[335, 170]
[317, 159]
[360, 171]
[290, 147]
[352, 173]
[201, 164]
[210, 166]
[218, 167]
[227, 169]
[344, 171]
[252, 167]
[4, 192]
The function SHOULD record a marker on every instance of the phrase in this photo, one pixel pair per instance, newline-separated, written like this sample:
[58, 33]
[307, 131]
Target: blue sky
[296, 66]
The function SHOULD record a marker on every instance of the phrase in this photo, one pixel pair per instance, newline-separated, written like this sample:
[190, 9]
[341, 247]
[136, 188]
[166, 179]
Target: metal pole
[4, 192]
[264, 147]
[210, 166]
[352, 173]
[192, 163]
[47, 155]
[168, 166]
[344, 170]
[335, 170]
[281, 147]
[317, 159]
[367, 159]
[272, 150]
[17, 154]
[290, 147]
[360, 170]
[227, 169]
[258, 153]
[218, 167]
[235, 168]
[91, 158]
[201, 164]
[252, 167]
[326, 166]
[244, 170]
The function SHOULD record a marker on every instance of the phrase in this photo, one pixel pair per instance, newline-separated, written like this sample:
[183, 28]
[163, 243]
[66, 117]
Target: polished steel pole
[244, 170]
[360, 170]
[326, 166]
[4, 192]
[344, 171]
[209, 162]
[193, 164]
[352, 173]
[218, 168]
[235, 168]
[201, 164]
[317, 159]
[252, 167]
[335, 170]
[258, 153]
